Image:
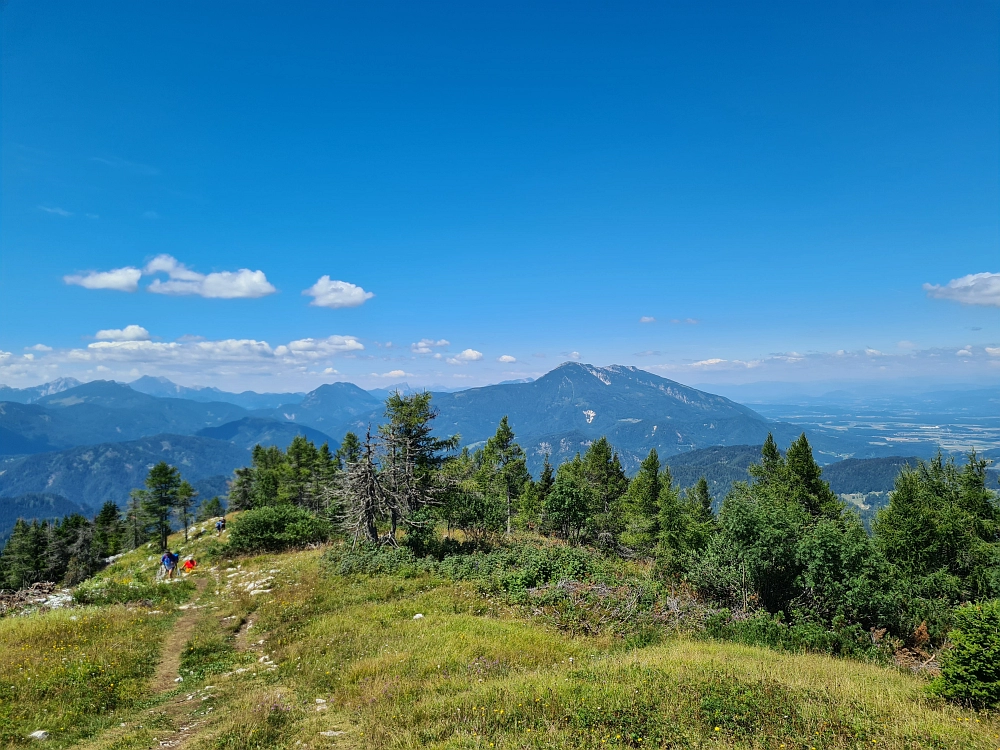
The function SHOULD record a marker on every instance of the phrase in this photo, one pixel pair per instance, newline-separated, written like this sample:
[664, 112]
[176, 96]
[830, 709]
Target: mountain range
[89, 442]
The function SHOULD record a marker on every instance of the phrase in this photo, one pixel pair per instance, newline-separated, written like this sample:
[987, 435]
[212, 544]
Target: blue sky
[774, 185]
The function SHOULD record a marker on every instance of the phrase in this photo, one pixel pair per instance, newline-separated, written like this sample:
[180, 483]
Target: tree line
[71, 549]
[782, 542]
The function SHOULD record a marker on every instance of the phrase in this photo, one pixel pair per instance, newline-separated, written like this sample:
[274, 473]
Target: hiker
[189, 565]
[220, 526]
[169, 561]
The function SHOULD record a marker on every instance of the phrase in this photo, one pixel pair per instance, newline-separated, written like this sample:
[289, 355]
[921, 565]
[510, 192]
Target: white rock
[179, 679]
[321, 700]
[331, 733]
[418, 616]
[40, 734]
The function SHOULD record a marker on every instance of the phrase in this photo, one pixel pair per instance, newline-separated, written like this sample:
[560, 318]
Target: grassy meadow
[277, 651]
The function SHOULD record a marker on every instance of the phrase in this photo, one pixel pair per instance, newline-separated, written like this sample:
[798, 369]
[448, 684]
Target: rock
[331, 733]
[321, 700]
[418, 616]
[179, 679]
[40, 734]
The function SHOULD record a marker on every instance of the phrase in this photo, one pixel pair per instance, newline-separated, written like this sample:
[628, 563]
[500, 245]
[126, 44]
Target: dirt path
[168, 669]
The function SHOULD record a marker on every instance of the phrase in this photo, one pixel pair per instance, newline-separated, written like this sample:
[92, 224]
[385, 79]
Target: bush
[970, 669]
[275, 528]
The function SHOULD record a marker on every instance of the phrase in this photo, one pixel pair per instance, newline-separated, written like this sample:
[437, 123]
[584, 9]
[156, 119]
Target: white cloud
[974, 289]
[241, 284]
[319, 348]
[393, 374]
[5, 355]
[336, 294]
[506, 359]
[993, 351]
[964, 352]
[28, 357]
[647, 319]
[574, 355]
[38, 348]
[120, 279]
[424, 345]
[56, 210]
[708, 362]
[330, 371]
[465, 356]
[128, 333]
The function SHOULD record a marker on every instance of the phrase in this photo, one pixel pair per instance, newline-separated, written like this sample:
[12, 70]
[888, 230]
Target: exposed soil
[168, 670]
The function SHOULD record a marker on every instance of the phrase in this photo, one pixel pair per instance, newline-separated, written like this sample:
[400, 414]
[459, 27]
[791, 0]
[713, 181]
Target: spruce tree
[643, 497]
[184, 503]
[163, 486]
[701, 500]
[806, 480]
[241, 489]
[349, 451]
[137, 524]
[411, 461]
[109, 531]
[505, 463]
[210, 508]
[24, 554]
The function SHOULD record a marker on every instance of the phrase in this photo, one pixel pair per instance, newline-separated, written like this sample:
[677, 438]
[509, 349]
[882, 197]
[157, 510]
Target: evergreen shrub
[970, 669]
[275, 528]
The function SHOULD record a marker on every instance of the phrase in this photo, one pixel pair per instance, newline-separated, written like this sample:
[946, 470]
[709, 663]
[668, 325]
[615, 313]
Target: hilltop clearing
[284, 651]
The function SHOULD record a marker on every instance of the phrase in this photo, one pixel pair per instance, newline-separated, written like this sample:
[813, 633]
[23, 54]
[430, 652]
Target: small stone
[418, 616]
[40, 734]
[179, 679]
[331, 733]
[321, 700]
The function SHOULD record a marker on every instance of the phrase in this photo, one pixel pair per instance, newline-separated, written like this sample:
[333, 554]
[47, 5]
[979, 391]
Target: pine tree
[136, 521]
[543, 487]
[701, 500]
[57, 541]
[24, 554]
[241, 489]
[109, 531]
[411, 461]
[210, 508]
[604, 472]
[806, 480]
[505, 465]
[184, 503]
[643, 497]
[83, 558]
[362, 493]
[568, 505]
[349, 451]
[163, 486]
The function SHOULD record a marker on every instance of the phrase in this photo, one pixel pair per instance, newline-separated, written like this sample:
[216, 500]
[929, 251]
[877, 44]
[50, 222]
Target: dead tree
[362, 494]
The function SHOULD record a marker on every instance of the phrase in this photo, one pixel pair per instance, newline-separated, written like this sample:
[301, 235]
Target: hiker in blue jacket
[169, 561]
